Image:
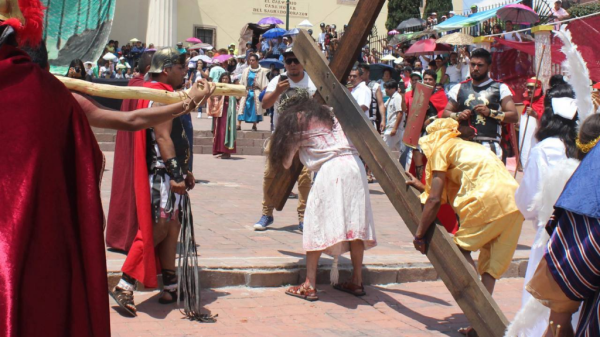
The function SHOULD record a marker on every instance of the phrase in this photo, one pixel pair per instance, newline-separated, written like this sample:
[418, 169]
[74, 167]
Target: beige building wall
[228, 17]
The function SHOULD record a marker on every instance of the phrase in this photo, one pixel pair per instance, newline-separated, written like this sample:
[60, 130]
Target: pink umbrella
[428, 47]
[221, 58]
[518, 13]
[393, 32]
[193, 40]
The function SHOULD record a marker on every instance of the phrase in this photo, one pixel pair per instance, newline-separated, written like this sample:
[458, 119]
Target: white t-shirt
[512, 36]
[454, 73]
[305, 83]
[504, 90]
[362, 95]
[393, 107]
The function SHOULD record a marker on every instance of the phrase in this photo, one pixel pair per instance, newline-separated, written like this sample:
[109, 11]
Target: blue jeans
[186, 120]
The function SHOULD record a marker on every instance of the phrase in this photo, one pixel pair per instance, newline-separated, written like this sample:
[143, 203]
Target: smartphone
[282, 78]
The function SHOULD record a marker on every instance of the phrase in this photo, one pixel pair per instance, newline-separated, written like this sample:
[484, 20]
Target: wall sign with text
[298, 8]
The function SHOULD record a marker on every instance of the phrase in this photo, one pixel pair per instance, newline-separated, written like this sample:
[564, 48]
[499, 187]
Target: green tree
[400, 10]
[583, 9]
[441, 7]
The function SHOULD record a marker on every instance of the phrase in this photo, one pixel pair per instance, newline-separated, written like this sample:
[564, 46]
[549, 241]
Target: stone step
[248, 143]
[211, 277]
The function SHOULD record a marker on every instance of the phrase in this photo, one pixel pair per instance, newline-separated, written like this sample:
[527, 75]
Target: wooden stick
[161, 96]
[537, 75]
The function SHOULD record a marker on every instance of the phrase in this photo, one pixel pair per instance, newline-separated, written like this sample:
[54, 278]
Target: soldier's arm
[450, 108]
[510, 110]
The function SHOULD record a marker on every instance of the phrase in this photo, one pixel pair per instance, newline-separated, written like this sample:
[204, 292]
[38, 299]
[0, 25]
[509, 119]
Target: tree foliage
[584, 9]
[400, 10]
[441, 7]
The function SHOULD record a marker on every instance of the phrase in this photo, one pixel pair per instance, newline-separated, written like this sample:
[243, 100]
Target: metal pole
[287, 16]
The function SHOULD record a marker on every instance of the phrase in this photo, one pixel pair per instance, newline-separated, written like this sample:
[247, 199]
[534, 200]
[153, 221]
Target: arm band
[454, 116]
[499, 115]
[174, 170]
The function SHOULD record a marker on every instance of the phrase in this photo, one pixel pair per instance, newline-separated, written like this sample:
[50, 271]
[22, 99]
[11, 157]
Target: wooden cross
[457, 274]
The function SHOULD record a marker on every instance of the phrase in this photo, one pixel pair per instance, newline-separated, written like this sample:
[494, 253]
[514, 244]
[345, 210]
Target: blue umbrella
[274, 32]
[292, 32]
[266, 63]
[270, 21]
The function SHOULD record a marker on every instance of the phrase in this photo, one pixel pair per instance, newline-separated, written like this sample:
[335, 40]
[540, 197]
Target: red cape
[538, 106]
[445, 214]
[122, 225]
[439, 101]
[53, 271]
[142, 263]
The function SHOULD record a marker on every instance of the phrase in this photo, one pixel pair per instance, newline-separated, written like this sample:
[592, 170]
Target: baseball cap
[416, 74]
[451, 12]
[322, 24]
[288, 51]
[180, 43]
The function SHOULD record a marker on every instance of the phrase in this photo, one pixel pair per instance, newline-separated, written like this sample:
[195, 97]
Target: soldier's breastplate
[180, 142]
[182, 146]
[470, 96]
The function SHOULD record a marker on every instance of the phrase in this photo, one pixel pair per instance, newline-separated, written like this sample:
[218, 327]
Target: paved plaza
[226, 205]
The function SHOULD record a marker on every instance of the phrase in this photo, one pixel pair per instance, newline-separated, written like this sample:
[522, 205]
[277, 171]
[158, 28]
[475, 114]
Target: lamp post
[287, 15]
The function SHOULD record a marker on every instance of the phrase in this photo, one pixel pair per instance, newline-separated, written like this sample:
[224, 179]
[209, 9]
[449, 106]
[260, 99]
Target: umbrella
[134, 40]
[376, 71]
[292, 32]
[393, 32]
[222, 58]
[110, 57]
[410, 23]
[428, 47]
[305, 24]
[266, 63]
[270, 21]
[201, 45]
[456, 39]
[193, 40]
[518, 13]
[274, 32]
[388, 57]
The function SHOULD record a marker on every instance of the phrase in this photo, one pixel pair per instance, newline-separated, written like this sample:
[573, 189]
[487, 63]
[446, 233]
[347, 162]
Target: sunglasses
[289, 61]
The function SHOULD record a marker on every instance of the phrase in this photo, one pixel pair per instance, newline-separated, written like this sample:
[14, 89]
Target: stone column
[483, 42]
[543, 37]
[162, 23]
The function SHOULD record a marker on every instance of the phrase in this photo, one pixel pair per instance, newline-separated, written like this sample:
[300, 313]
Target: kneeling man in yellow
[480, 190]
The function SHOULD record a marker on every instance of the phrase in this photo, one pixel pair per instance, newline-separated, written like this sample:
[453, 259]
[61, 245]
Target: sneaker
[301, 226]
[262, 224]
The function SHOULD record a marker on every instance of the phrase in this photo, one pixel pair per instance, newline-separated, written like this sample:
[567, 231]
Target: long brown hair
[296, 110]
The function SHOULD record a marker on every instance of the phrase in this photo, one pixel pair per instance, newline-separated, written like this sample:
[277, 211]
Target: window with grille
[206, 34]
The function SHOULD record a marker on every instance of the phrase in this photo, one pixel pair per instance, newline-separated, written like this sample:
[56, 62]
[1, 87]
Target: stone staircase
[249, 143]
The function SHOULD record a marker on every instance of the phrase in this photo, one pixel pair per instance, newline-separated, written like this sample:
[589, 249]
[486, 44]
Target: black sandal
[170, 286]
[124, 299]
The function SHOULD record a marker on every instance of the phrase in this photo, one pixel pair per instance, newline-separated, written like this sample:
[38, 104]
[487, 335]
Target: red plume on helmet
[28, 22]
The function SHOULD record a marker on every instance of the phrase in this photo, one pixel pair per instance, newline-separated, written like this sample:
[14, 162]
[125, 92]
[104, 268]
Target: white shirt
[305, 83]
[393, 107]
[504, 90]
[362, 95]
[512, 36]
[454, 73]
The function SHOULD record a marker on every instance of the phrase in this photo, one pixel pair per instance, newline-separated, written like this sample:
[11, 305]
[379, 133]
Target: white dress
[338, 209]
[527, 137]
[546, 174]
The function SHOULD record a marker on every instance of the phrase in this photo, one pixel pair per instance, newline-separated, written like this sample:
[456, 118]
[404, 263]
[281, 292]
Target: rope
[188, 280]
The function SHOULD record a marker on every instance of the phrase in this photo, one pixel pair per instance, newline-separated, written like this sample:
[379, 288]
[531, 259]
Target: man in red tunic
[122, 225]
[53, 270]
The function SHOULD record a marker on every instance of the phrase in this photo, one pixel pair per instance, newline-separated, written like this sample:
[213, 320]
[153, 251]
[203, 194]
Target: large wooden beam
[354, 38]
[458, 275]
